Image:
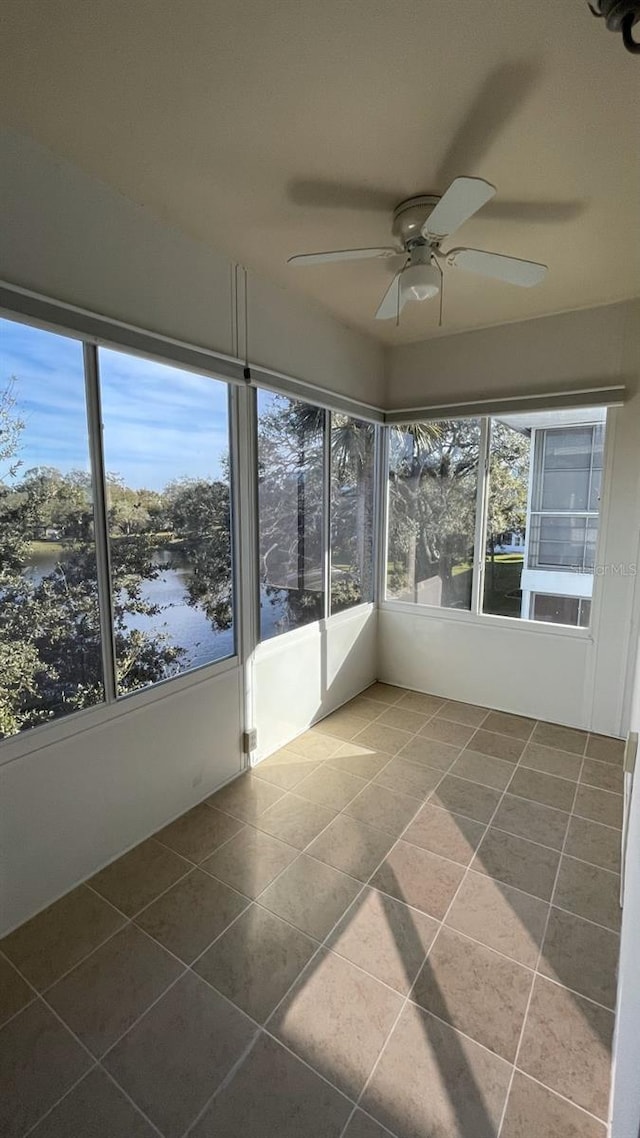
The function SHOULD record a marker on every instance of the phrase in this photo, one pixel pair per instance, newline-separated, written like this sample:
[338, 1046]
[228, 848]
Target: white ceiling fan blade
[392, 302]
[464, 197]
[342, 255]
[512, 270]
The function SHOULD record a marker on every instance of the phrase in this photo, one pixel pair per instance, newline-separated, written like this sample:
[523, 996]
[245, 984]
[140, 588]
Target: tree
[199, 514]
[50, 646]
[352, 509]
[508, 485]
[432, 500]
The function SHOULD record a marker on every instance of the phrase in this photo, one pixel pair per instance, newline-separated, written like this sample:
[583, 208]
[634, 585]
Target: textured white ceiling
[269, 127]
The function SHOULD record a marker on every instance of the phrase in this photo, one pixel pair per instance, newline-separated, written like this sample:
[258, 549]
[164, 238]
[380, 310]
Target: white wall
[303, 675]
[71, 806]
[625, 1096]
[74, 239]
[580, 682]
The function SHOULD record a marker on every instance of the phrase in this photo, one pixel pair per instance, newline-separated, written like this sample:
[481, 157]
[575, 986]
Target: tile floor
[405, 922]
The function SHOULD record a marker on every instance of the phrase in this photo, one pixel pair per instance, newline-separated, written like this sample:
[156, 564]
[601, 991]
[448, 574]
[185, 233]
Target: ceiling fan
[420, 225]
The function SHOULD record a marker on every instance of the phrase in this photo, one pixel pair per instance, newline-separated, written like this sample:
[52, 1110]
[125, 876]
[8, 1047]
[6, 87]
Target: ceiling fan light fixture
[420, 282]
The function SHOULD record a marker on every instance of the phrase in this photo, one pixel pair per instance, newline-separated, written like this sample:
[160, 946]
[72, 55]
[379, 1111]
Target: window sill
[486, 620]
[76, 723]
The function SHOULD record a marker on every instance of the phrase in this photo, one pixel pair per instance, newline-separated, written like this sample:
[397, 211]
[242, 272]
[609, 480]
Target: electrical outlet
[249, 741]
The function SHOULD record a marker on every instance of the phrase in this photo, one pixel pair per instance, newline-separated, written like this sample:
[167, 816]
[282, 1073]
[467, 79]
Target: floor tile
[409, 778]
[582, 956]
[359, 760]
[295, 821]
[500, 917]
[545, 788]
[247, 798]
[341, 724]
[103, 996]
[517, 862]
[554, 1117]
[199, 832]
[96, 1108]
[564, 738]
[386, 693]
[337, 1019]
[446, 731]
[421, 702]
[312, 745]
[363, 1126]
[352, 847]
[366, 708]
[250, 861]
[330, 787]
[274, 1093]
[419, 878]
[483, 769]
[567, 1045]
[256, 961]
[310, 895]
[606, 749]
[432, 1081]
[14, 992]
[285, 768]
[136, 879]
[476, 990]
[384, 809]
[384, 937]
[39, 1061]
[589, 891]
[551, 761]
[532, 820]
[467, 713]
[55, 940]
[468, 798]
[450, 835]
[177, 1055]
[595, 843]
[605, 776]
[430, 752]
[191, 914]
[390, 740]
[498, 746]
[400, 716]
[518, 726]
[599, 806]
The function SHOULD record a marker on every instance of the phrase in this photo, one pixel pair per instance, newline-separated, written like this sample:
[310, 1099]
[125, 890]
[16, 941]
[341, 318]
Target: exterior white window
[497, 516]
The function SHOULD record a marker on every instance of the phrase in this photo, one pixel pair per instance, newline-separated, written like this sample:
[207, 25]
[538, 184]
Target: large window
[166, 444]
[50, 646]
[522, 543]
[352, 511]
[291, 513]
[433, 485]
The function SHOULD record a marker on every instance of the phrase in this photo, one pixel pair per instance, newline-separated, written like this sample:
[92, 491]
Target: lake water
[183, 624]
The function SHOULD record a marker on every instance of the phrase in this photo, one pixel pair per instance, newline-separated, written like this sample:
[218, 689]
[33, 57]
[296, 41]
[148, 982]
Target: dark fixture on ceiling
[620, 16]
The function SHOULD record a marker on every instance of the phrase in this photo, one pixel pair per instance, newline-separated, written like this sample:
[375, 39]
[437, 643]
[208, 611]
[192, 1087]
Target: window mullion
[326, 513]
[100, 510]
[381, 511]
[482, 498]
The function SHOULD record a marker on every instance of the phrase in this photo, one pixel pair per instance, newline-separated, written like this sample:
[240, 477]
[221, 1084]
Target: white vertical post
[244, 529]
[381, 512]
[326, 514]
[482, 498]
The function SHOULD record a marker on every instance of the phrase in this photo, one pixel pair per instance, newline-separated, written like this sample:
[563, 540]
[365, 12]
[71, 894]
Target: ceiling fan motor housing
[409, 217]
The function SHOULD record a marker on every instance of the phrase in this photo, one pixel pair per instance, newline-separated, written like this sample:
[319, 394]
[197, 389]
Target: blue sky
[160, 423]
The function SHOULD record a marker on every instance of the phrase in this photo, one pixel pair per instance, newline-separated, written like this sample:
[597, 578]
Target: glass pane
[352, 511]
[510, 454]
[556, 610]
[561, 542]
[290, 513]
[565, 490]
[50, 650]
[166, 441]
[433, 478]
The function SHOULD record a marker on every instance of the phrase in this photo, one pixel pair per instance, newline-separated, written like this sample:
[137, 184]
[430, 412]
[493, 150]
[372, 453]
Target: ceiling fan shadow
[324, 194]
[544, 213]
